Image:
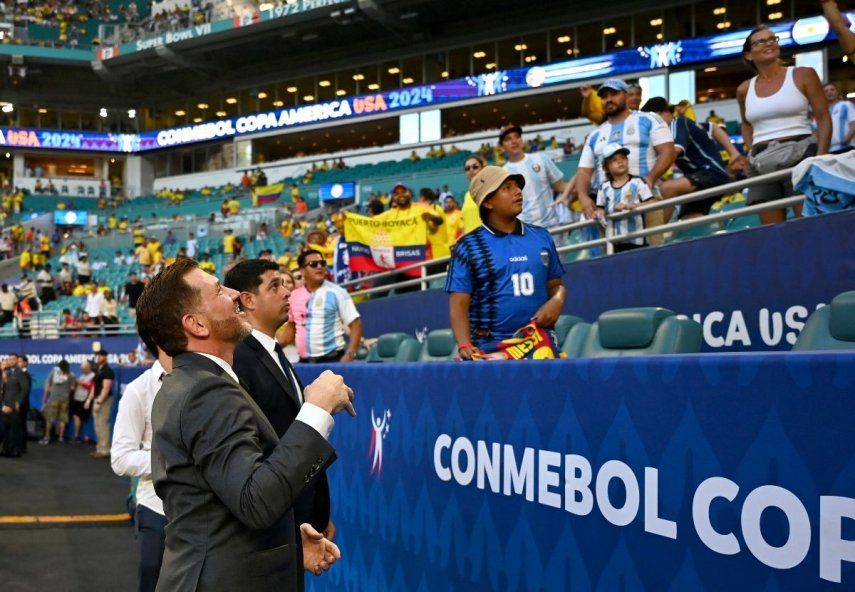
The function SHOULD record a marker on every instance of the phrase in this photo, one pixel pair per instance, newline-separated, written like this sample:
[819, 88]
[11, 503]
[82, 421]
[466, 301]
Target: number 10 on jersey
[523, 284]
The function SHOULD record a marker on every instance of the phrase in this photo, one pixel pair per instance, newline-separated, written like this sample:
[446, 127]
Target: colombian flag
[382, 245]
[267, 194]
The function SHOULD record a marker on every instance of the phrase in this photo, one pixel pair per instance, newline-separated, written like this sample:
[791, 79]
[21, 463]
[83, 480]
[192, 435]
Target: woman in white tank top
[775, 107]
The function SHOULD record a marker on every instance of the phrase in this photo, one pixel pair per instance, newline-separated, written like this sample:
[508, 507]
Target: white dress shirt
[311, 415]
[130, 454]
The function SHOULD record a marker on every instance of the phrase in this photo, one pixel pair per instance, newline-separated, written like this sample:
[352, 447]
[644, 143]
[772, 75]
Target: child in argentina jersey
[622, 192]
[505, 276]
[639, 132]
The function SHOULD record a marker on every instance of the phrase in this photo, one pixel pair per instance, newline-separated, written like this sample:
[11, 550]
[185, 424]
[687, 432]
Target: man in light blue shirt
[542, 178]
[842, 120]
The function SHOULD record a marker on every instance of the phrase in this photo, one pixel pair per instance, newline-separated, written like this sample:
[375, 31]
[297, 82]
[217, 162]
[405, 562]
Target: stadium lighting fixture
[407, 80]
[180, 113]
[773, 16]
[7, 108]
[619, 43]
[8, 155]
[564, 39]
[656, 22]
[394, 70]
[570, 51]
[291, 89]
[659, 36]
[132, 113]
[197, 120]
[308, 98]
[278, 103]
[719, 11]
[723, 25]
[202, 106]
[530, 58]
[262, 95]
[42, 110]
[772, 2]
[221, 113]
[490, 66]
[479, 54]
[609, 31]
[231, 100]
[359, 77]
[265, 6]
[340, 93]
[711, 69]
[324, 83]
[520, 47]
[102, 112]
[373, 86]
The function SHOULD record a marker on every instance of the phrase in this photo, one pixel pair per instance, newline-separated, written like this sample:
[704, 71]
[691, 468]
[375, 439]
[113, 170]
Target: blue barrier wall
[658, 446]
[751, 290]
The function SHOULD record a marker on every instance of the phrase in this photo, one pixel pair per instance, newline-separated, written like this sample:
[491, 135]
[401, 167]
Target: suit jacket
[17, 387]
[228, 484]
[278, 398]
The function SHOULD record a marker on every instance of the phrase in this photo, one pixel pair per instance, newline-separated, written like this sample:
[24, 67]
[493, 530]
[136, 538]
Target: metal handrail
[610, 239]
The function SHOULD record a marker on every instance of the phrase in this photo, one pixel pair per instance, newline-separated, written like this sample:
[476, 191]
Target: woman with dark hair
[776, 126]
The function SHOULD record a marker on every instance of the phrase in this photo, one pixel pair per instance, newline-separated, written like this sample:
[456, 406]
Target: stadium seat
[575, 340]
[395, 347]
[641, 332]
[439, 346]
[563, 326]
[831, 327]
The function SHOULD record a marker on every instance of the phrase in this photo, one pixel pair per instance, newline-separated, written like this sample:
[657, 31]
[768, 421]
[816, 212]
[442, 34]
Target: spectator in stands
[621, 192]
[98, 265]
[375, 208]
[83, 389]
[842, 120]
[87, 324]
[845, 36]
[413, 156]
[25, 261]
[569, 147]
[453, 219]
[714, 119]
[234, 206]
[27, 291]
[58, 388]
[633, 97]
[65, 280]
[8, 302]
[170, 238]
[69, 322]
[437, 234]
[84, 270]
[592, 106]
[320, 315]
[109, 312]
[471, 218]
[101, 403]
[93, 303]
[261, 232]
[207, 265]
[191, 246]
[542, 178]
[650, 144]
[698, 158]
[133, 291]
[505, 273]
[775, 108]
[131, 457]
[119, 259]
[44, 283]
[155, 250]
[143, 257]
[228, 242]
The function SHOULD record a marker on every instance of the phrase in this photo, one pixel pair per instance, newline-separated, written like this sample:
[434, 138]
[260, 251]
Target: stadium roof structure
[334, 35]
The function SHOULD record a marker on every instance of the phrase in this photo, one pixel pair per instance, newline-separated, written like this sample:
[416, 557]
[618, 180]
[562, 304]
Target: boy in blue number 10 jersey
[504, 274]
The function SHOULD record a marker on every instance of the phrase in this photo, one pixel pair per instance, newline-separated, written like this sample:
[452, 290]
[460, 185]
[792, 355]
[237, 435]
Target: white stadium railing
[609, 240]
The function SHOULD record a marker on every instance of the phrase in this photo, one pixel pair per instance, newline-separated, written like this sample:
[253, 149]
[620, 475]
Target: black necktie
[283, 361]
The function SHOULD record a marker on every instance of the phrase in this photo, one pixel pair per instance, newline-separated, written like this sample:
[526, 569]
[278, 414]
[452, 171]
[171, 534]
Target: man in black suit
[228, 483]
[267, 375]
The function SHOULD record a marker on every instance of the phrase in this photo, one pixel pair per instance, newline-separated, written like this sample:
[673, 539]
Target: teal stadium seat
[563, 326]
[573, 343]
[395, 347]
[831, 327]
[638, 332]
[439, 346]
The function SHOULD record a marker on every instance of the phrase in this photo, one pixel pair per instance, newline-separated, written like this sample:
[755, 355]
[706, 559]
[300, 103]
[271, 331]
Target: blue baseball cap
[613, 84]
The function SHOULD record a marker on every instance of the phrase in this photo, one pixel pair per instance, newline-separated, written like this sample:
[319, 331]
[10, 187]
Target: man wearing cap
[503, 274]
[542, 178]
[698, 158]
[648, 138]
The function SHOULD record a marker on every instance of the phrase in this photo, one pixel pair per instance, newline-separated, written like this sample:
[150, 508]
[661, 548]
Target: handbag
[779, 155]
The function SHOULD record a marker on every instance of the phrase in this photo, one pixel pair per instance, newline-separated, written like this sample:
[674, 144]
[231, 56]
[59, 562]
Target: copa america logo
[663, 55]
[379, 429]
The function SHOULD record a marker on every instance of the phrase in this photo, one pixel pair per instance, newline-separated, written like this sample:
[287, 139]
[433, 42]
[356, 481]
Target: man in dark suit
[268, 376]
[228, 483]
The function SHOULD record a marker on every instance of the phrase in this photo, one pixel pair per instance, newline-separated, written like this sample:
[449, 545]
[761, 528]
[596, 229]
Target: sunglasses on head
[315, 264]
[471, 167]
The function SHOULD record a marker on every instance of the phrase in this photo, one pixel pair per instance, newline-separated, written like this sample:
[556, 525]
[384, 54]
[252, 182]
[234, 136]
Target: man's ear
[247, 301]
[196, 326]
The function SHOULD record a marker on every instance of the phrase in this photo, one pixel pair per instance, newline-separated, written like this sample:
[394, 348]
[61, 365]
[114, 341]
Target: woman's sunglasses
[472, 167]
[315, 264]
